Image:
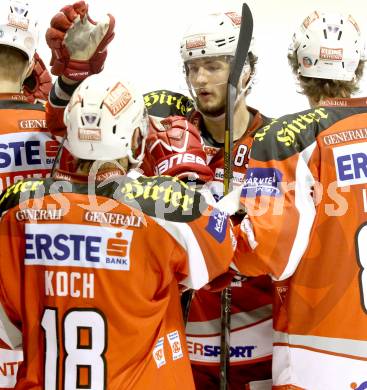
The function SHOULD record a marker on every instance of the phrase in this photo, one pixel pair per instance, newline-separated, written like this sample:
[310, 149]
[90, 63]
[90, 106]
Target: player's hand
[38, 84]
[78, 44]
[175, 148]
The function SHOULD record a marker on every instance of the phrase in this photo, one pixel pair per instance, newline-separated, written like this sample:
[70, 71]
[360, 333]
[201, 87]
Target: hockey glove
[175, 148]
[38, 84]
[78, 44]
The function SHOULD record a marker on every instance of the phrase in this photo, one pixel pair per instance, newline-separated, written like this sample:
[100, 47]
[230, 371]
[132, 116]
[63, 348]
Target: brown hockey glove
[38, 84]
[78, 44]
[175, 148]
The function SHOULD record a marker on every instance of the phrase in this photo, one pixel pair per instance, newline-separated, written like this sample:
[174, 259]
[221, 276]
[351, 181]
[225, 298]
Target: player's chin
[211, 109]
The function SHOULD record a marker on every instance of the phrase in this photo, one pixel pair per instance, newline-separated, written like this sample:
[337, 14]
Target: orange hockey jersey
[92, 280]
[26, 147]
[251, 309]
[251, 336]
[306, 196]
[26, 150]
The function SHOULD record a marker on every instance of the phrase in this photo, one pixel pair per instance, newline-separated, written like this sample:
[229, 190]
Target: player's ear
[246, 74]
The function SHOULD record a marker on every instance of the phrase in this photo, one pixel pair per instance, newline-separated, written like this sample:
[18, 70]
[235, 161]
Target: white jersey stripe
[182, 233]
[352, 348]
[306, 208]
[238, 320]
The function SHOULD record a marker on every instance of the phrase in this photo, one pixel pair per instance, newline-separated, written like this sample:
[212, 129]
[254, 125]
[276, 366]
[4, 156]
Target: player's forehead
[209, 61]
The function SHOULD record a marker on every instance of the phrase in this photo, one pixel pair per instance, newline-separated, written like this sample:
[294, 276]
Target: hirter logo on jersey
[351, 164]
[78, 246]
[262, 181]
[217, 225]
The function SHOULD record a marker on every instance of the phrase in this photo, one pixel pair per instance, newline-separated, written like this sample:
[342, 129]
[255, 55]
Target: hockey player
[252, 345]
[207, 48]
[312, 63]
[306, 201]
[26, 147]
[104, 310]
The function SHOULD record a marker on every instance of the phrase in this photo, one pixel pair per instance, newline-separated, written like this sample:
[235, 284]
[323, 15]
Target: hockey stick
[243, 45]
[186, 299]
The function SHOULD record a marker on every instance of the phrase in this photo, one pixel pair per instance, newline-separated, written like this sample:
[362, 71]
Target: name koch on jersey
[82, 246]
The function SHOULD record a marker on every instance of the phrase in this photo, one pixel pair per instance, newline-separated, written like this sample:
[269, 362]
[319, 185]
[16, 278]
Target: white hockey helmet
[210, 36]
[101, 119]
[18, 26]
[328, 46]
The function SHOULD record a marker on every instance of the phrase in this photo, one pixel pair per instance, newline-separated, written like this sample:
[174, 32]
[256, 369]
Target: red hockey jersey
[26, 150]
[92, 282]
[251, 310]
[252, 299]
[306, 197]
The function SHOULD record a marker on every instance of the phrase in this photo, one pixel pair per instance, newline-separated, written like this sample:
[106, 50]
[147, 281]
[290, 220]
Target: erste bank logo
[25, 151]
[78, 246]
[351, 164]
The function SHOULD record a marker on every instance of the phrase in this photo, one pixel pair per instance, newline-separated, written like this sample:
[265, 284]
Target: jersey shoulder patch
[164, 103]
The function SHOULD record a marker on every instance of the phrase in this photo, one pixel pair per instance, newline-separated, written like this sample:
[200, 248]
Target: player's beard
[212, 110]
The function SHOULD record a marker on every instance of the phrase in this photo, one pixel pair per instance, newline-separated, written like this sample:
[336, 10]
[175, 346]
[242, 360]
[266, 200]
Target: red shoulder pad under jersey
[175, 148]
[39, 83]
[55, 120]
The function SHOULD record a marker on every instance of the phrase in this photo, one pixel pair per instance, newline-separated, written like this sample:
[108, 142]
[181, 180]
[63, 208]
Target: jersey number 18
[84, 341]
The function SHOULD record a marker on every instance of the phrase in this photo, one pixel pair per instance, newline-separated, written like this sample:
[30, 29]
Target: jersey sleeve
[278, 196]
[208, 245]
[58, 99]
[55, 120]
[10, 308]
[11, 243]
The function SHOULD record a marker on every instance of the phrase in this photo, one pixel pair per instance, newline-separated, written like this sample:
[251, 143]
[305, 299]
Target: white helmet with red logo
[328, 46]
[18, 26]
[102, 118]
[213, 35]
